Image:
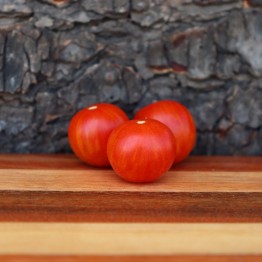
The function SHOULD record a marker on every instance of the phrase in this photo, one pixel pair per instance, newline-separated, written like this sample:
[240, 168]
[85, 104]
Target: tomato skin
[89, 130]
[141, 151]
[178, 118]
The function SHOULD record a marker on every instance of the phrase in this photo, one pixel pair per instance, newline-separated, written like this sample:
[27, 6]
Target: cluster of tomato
[139, 150]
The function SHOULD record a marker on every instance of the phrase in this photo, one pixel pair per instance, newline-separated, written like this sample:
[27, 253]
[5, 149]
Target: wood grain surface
[130, 238]
[55, 208]
[61, 188]
[68, 161]
[151, 258]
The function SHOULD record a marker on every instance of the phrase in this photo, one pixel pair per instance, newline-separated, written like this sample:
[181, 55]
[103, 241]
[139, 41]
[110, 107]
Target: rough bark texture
[57, 57]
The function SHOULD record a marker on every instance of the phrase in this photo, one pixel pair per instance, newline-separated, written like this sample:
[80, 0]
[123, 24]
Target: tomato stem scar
[92, 108]
[141, 122]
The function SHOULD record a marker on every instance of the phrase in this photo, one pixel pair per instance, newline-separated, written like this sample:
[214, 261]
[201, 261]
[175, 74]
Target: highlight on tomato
[141, 150]
[89, 130]
[178, 118]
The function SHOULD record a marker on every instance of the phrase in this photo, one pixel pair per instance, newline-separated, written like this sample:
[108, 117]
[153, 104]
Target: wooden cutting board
[55, 207]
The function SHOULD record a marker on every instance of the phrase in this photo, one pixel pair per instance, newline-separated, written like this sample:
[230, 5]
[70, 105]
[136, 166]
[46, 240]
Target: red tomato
[141, 151]
[178, 119]
[89, 130]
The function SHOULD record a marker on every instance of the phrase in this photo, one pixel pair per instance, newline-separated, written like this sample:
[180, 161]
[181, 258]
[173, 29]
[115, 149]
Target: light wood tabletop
[55, 208]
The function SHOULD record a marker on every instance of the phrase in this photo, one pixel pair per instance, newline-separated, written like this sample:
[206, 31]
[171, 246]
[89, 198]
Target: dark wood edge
[130, 207]
[69, 161]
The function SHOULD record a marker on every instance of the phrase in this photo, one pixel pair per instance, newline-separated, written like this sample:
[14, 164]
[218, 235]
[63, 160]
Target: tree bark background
[57, 57]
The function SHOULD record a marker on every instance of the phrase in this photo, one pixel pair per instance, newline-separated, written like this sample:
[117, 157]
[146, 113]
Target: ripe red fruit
[141, 151]
[89, 130]
[180, 121]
